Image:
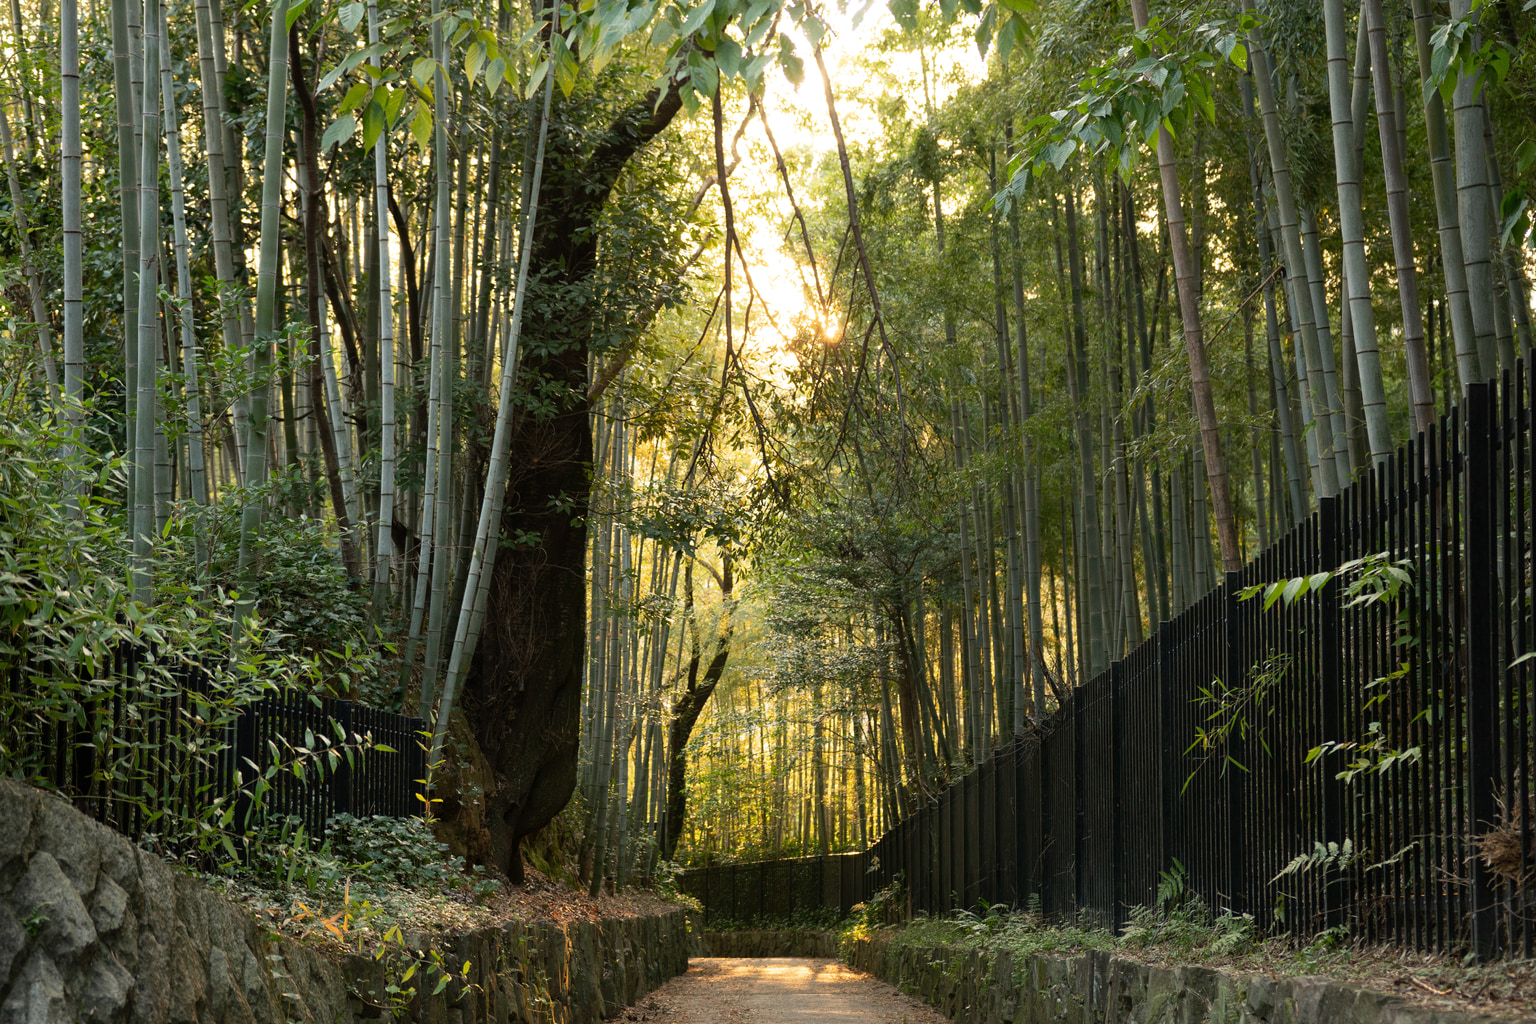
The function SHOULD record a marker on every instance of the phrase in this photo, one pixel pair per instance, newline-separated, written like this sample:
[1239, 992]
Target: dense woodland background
[573, 379]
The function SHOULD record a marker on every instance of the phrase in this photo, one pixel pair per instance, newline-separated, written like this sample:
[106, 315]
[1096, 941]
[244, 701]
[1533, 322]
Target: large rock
[94, 929]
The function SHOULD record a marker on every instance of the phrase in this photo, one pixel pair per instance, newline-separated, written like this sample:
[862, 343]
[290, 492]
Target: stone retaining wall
[770, 943]
[1099, 988]
[94, 929]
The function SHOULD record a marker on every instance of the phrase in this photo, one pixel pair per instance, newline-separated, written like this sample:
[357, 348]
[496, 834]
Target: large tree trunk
[523, 695]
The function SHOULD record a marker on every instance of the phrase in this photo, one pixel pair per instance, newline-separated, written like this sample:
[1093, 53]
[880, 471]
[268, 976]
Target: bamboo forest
[723, 424]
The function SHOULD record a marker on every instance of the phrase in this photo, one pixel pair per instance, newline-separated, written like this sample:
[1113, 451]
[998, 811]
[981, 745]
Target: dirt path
[780, 990]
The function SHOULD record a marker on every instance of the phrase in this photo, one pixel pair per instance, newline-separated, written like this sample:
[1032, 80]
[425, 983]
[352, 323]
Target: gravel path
[779, 990]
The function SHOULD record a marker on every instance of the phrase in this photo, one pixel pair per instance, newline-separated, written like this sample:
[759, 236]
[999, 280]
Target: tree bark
[524, 691]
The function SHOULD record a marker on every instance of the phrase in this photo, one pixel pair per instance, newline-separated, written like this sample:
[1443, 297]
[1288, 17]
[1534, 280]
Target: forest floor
[369, 911]
[778, 990]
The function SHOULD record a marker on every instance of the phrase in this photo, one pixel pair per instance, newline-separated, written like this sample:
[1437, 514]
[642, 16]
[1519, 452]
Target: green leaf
[794, 67]
[1172, 97]
[696, 18]
[474, 60]
[663, 34]
[422, 71]
[1516, 225]
[373, 124]
[753, 73]
[1525, 153]
[340, 131]
[536, 79]
[1056, 153]
[395, 99]
[351, 16]
[565, 73]
[293, 14]
[1294, 588]
[985, 30]
[352, 60]
[495, 74]
[1498, 63]
[702, 74]
[354, 96]
[421, 125]
[728, 57]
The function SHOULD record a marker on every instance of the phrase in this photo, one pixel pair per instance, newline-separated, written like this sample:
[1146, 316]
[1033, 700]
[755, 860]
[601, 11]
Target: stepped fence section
[1357, 757]
[146, 738]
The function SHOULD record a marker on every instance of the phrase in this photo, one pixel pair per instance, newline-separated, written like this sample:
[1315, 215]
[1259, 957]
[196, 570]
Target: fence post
[1078, 809]
[1482, 697]
[1168, 775]
[1331, 684]
[341, 784]
[1237, 817]
[1117, 831]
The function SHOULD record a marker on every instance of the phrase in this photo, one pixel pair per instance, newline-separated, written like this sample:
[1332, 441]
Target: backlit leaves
[1150, 85]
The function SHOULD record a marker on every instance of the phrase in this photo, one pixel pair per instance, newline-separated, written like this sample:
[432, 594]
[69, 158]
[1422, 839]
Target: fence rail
[144, 740]
[1368, 762]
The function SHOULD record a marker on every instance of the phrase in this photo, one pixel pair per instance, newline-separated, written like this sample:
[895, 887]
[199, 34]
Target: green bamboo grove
[723, 424]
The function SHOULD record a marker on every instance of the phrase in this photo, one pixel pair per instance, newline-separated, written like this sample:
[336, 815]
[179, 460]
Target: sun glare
[785, 307]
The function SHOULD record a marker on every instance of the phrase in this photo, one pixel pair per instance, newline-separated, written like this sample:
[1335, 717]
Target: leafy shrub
[361, 851]
[149, 688]
[1180, 919]
[308, 608]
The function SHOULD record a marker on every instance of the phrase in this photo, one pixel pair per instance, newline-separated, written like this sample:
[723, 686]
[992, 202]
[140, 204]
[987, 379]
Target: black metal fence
[1331, 761]
[144, 739]
[776, 890]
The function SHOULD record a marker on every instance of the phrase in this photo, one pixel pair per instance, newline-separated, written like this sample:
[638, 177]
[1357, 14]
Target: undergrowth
[378, 887]
[1180, 929]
